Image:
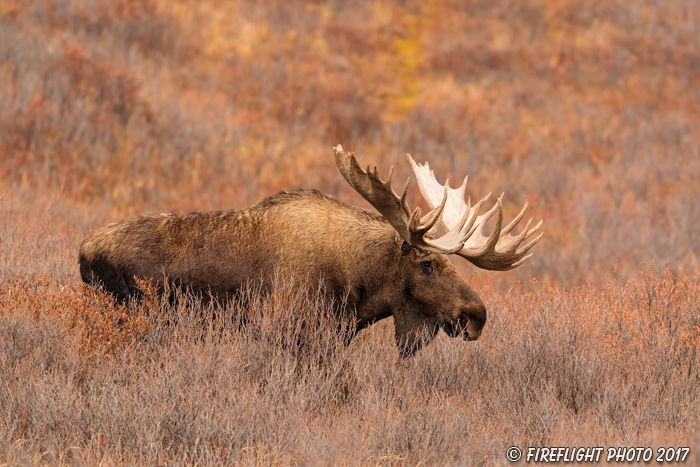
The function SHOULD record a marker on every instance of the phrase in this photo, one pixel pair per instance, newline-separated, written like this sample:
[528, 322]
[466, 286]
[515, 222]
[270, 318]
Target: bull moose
[381, 265]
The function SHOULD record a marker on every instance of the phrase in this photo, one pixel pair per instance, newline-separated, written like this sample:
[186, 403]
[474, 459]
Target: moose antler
[411, 227]
[496, 251]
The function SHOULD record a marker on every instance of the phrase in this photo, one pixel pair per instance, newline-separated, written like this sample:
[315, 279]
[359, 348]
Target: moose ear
[405, 247]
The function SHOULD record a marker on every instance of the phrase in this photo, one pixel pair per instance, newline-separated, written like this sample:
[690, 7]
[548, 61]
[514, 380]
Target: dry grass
[589, 109]
[271, 382]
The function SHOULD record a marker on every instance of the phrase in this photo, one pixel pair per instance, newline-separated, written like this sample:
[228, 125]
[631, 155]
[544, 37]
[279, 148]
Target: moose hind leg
[102, 272]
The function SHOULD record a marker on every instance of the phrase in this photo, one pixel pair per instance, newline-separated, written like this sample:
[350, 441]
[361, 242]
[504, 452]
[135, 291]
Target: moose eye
[427, 264]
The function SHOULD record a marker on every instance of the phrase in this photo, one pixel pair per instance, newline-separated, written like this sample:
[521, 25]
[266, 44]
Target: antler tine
[410, 226]
[518, 263]
[428, 222]
[534, 229]
[507, 253]
[391, 173]
[513, 245]
[466, 232]
[529, 245]
[509, 244]
[404, 202]
[474, 213]
[484, 244]
[497, 250]
[515, 221]
[457, 218]
[378, 193]
[453, 241]
[524, 250]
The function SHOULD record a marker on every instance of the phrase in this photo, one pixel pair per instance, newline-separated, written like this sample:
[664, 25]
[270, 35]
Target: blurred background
[589, 109]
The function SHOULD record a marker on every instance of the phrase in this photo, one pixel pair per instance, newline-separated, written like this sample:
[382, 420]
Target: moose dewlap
[386, 264]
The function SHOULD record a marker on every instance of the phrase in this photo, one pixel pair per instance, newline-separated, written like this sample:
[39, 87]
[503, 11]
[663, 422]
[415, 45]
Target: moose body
[356, 256]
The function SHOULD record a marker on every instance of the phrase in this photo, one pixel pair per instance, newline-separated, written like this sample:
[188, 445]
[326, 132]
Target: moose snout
[471, 336]
[474, 322]
[466, 322]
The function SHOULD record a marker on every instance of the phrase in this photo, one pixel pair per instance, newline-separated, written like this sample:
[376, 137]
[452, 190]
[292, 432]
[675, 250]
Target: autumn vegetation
[589, 109]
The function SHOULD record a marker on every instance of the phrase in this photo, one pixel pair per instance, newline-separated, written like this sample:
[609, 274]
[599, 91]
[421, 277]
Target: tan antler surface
[410, 226]
[497, 250]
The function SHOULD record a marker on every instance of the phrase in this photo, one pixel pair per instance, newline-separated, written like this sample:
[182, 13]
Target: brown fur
[303, 234]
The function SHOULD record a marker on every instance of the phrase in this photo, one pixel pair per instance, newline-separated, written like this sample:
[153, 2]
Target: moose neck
[378, 272]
